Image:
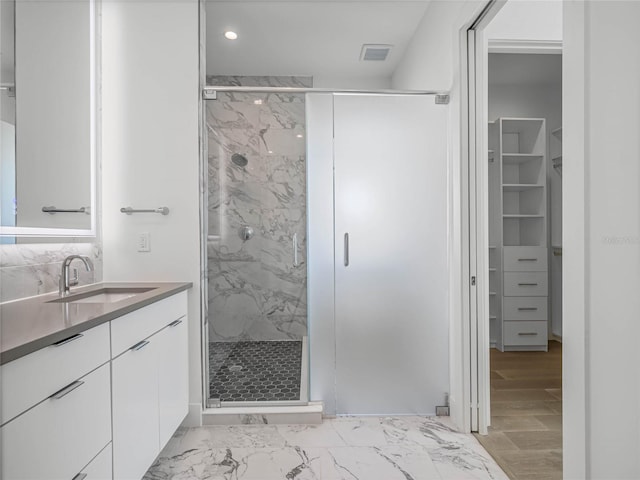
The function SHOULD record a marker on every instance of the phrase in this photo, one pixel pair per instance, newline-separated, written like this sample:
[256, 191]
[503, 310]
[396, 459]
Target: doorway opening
[516, 234]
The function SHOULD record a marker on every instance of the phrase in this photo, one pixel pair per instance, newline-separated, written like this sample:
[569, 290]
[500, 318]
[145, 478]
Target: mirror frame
[42, 232]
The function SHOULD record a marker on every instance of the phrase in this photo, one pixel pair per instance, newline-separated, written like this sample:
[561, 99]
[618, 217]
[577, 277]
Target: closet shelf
[519, 215]
[492, 293]
[518, 158]
[557, 133]
[519, 187]
[492, 317]
[492, 247]
[493, 269]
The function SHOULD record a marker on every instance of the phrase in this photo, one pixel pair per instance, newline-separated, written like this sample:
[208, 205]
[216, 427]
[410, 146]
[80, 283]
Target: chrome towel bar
[53, 210]
[160, 210]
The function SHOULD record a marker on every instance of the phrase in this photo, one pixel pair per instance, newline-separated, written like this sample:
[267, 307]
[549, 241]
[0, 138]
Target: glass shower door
[256, 244]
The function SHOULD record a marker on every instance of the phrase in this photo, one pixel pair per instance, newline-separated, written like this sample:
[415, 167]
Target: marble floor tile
[343, 448]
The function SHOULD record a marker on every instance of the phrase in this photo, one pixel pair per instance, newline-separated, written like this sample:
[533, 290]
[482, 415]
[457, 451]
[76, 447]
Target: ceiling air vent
[375, 53]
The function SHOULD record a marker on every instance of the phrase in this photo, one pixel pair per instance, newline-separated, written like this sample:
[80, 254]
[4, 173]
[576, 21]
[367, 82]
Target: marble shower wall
[255, 291]
[33, 269]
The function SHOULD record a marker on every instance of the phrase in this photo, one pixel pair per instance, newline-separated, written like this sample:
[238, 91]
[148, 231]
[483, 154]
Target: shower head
[239, 160]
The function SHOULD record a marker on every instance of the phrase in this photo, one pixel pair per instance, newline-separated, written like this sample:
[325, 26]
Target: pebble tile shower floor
[255, 371]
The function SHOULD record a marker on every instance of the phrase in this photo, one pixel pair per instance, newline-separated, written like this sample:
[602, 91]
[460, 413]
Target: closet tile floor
[255, 371]
[526, 413]
[344, 448]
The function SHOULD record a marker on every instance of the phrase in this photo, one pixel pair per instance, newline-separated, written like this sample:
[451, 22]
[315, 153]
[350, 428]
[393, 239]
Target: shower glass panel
[256, 244]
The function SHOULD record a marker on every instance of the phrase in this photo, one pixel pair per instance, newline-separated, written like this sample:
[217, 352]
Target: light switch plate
[144, 244]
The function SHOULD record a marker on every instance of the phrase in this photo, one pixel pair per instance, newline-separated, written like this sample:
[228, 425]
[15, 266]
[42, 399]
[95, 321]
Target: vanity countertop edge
[33, 323]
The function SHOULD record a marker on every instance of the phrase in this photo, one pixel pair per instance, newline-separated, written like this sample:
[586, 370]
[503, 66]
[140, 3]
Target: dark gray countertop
[33, 323]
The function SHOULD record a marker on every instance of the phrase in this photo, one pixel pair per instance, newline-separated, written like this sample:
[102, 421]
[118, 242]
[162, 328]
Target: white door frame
[475, 77]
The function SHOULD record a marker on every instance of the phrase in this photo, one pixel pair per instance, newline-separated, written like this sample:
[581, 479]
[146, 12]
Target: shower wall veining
[255, 291]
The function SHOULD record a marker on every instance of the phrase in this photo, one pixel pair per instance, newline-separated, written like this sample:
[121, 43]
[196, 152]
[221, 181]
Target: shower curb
[310, 414]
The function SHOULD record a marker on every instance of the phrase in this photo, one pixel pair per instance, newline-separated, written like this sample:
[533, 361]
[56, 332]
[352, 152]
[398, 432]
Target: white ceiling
[525, 69]
[317, 38]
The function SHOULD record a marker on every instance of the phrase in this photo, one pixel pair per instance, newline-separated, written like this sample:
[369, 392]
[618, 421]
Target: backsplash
[33, 269]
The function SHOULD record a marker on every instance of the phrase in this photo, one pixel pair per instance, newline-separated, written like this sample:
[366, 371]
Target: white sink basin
[104, 295]
[105, 298]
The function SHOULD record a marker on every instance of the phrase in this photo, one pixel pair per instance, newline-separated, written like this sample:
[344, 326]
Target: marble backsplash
[255, 290]
[34, 269]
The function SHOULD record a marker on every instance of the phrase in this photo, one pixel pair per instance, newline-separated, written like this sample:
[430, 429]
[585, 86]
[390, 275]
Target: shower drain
[235, 368]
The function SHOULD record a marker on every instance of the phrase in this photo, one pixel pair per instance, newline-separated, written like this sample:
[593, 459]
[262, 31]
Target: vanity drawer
[61, 435]
[525, 308]
[32, 378]
[525, 284]
[130, 329]
[525, 259]
[525, 333]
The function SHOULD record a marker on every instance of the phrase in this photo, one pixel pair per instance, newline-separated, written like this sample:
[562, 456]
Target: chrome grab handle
[67, 390]
[527, 333]
[140, 345]
[527, 309]
[295, 250]
[175, 323]
[527, 259]
[67, 340]
[346, 249]
[527, 284]
[80, 476]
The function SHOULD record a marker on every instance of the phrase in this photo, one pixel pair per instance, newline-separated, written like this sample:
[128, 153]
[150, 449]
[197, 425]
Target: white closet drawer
[58, 437]
[32, 378]
[525, 259]
[525, 284]
[525, 333]
[525, 308]
[130, 329]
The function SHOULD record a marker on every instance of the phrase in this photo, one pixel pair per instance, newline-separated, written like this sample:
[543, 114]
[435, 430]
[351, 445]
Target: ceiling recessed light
[230, 35]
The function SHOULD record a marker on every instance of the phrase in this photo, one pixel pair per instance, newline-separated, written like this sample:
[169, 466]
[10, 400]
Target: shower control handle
[346, 249]
[295, 250]
[246, 233]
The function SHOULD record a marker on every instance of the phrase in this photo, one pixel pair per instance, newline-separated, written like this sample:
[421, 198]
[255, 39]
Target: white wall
[538, 20]
[363, 83]
[601, 240]
[433, 62]
[150, 150]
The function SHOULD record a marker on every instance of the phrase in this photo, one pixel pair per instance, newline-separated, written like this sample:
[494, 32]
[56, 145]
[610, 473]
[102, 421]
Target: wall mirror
[48, 106]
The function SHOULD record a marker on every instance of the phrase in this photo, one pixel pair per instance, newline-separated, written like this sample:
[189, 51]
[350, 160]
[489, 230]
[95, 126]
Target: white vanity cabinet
[149, 383]
[62, 434]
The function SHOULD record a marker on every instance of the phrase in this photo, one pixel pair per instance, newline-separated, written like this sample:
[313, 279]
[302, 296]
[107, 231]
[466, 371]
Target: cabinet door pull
[527, 284]
[527, 259]
[64, 341]
[140, 345]
[67, 390]
[80, 476]
[527, 309]
[527, 333]
[175, 323]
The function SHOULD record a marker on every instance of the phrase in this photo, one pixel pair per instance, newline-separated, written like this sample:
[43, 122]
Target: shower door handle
[295, 250]
[346, 249]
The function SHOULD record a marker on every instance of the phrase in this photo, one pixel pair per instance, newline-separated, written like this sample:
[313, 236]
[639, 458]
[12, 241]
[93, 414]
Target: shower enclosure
[256, 243]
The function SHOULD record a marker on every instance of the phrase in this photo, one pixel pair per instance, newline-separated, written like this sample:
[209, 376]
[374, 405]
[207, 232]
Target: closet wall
[530, 86]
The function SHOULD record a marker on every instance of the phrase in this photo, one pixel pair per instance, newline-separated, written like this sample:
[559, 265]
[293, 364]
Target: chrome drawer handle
[527, 259]
[527, 309]
[527, 333]
[80, 476]
[140, 345]
[67, 390]
[527, 284]
[346, 249]
[175, 323]
[67, 340]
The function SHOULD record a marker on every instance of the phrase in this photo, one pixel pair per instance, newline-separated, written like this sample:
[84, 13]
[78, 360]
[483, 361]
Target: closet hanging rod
[51, 210]
[160, 210]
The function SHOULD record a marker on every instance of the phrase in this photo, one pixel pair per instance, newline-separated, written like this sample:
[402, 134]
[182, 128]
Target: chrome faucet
[65, 281]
